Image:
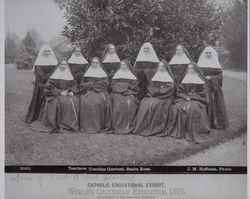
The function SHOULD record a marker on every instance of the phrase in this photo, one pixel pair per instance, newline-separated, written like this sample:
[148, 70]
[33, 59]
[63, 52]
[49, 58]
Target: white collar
[162, 77]
[95, 72]
[64, 75]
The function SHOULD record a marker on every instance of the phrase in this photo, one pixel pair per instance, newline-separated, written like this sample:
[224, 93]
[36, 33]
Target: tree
[235, 33]
[11, 46]
[128, 24]
[37, 39]
[61, 46]
[26, 53]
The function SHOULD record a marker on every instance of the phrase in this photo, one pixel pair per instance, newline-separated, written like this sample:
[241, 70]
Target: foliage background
[128, 24]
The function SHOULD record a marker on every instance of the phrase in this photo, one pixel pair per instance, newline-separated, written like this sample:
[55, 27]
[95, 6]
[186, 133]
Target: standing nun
[210, 66]
[153, 113]
[61, 109]
[145, 67]
[189, 118]
[124, 91]
[179, 62]
[95, 113]
[77, 64]
[111, 61]
[45, 64]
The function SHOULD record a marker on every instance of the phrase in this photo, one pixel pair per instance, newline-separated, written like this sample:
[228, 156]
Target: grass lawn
[22, 146]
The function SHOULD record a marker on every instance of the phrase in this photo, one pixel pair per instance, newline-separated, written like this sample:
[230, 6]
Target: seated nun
[124, 91]
[78, 64]
[45, 64]
[61, 110]
[95, 113]
[210, 67]
[145, 67]
[111, 61]
[189, 118]
[154, 108]
[179, 63]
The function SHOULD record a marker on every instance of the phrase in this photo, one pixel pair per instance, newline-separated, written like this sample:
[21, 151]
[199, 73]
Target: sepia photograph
[126, 83]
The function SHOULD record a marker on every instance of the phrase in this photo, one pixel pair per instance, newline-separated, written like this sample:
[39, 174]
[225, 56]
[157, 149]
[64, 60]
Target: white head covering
[62, 74]
[192, 78]
[110, 58]
[95, 71]
[180, 59]
[209, 62]
[162, 76]
[147, 57]
[121, 74]
[77, 60]
[41, 60]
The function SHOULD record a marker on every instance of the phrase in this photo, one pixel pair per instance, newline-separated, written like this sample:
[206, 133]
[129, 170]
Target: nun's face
[95, 63]
[124, 66]
[179, 50]
[191, 69]
[111, 49]
[208, 54]
[161, 67]
[46, 53]
[63, 66]
[146, 49]
[77, 52]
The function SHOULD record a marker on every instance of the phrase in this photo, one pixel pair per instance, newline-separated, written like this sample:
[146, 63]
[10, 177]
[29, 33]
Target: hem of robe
[38, 126]
[123, 131]
[94, 131]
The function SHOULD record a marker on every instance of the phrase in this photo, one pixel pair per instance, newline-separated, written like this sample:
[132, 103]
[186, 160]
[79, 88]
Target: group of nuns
[180, 99]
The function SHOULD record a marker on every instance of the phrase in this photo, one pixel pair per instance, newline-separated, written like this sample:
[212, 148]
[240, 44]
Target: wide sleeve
[217, 80]
[73, 86]
[41, 77]
[94, 84]
[118, 86]
[181, 92]
[126, 87]
[50, 90]
[161, 90]
[199, 94]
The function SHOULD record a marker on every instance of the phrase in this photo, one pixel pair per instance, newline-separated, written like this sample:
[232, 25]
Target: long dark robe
[188, 118]
[42, 74]
[144, 72]
[78, 70]
[153, 113]
[60, 113]
[95, 113]
[124, 105]
[179, 71]
[111, 68]
[216, 108]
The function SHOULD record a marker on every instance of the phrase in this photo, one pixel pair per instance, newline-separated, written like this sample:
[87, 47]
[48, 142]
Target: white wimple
[209, 62]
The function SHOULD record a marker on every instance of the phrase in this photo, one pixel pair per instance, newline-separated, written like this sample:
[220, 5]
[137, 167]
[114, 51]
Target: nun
[124, 95]
[61, 109]
[45, 64]
[210, 66]
[179, 62]
[189, 119]
[154, 108]
[95, 112]
[145, 67]
[77, 64]
[111, 61]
